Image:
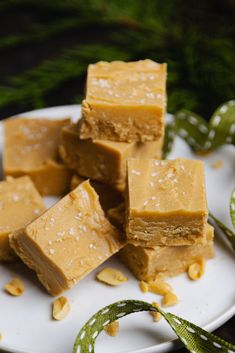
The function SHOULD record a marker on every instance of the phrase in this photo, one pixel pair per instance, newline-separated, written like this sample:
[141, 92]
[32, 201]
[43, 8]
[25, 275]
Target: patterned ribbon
[198, 133]
[195, 339]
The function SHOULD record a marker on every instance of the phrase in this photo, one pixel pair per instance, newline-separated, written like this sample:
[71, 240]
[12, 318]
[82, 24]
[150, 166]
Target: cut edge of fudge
[166, 261]
[138, 115]
[158, 209]
[42, 260]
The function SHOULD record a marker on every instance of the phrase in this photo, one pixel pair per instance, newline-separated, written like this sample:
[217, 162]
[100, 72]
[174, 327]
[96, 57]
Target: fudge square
[108, 196]
[166, 202]
[68, 241]
[20, 203]
[125, 101]
[104, 161]
[31, 148]
[149, 263]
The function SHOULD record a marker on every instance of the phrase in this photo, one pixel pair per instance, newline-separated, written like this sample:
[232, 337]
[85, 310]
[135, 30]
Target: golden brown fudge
[166, 261]
[124, 101]
[108, 196]
[31, 148]
[166, 202]
[20, 203]
[104, 161]
[116, 215]
[68, 241]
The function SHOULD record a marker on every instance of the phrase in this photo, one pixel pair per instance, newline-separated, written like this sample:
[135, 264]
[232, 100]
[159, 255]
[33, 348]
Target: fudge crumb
[112, 329]
[15, 287]
[217, 164]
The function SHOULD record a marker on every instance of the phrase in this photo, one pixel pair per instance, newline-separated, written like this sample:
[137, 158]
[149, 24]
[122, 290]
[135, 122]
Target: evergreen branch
[32, 85]
[40, 32]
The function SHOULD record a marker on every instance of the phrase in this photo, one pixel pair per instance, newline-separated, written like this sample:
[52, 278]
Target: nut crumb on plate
[144, 286]
[156, 315]
[196, 270]
[217, 164]
[15, 287]
[169, 299]
[111, 276]
[112, 329]
[60, 308]
[159, 287]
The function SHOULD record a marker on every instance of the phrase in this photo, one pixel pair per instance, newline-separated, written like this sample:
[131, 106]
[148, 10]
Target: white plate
[26, 321]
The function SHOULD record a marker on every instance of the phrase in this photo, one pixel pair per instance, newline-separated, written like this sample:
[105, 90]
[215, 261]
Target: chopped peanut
[15, 287]
[196, 270]
[1, 336]
[217, 164]
[169, 299]
[112, 329]
[155, 315]
[60, 308]
[159, 287]
[144, 286]
[111, 276]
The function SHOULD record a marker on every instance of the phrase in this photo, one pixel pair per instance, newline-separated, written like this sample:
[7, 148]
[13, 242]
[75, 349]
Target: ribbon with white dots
[194, 338]
[230, 235]
[232, 207]
[200, 134]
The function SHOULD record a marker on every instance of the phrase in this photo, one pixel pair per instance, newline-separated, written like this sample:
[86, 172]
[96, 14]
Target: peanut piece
[159, 287]
[155, 315]
[112, 329]
[60, 308]
[196, 270]
[144, 286]
[15, 287]
[111, 276]
[1, 336]
[169, 299]
[217, 164]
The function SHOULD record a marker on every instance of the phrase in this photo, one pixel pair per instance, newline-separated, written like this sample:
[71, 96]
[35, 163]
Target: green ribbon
[200, 134]
[194, 338]
[232, 207]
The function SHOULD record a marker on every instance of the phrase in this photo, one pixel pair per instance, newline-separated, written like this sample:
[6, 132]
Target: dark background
[46, 45]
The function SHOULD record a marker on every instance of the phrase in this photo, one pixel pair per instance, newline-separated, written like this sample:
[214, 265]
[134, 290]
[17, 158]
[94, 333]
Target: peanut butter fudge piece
[125, 101]
[108, 196]
[167, 261]
[20, 203]
[166, 202]
[104, 161]
[116, 215]
[68, 241]
[31, 148]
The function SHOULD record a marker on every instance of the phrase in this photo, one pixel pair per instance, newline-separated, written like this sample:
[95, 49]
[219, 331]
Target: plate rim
[164, 347]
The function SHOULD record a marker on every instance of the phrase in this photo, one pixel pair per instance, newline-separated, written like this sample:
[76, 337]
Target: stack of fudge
[123, 197]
